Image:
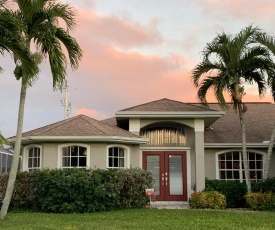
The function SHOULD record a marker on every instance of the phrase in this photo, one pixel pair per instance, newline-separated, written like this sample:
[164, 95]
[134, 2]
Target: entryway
[169, 172]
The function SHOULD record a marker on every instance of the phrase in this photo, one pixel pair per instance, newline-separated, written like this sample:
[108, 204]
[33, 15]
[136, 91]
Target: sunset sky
[134, 52]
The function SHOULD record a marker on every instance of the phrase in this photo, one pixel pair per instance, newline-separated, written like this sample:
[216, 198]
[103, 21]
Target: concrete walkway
[170, 204]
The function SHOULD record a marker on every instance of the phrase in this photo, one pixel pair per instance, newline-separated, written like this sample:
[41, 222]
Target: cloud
[91, 113]
[113, 30]
[245, 9]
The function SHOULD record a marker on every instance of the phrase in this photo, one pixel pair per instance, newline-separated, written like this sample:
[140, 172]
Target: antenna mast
[65, 102]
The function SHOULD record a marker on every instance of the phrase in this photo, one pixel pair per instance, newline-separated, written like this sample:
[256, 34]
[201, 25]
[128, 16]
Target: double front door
[169, 172]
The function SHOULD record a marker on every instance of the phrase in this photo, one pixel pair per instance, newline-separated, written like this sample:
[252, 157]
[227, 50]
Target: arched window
[32, 158]
[117, 157]
[230, 166]
[74, 156]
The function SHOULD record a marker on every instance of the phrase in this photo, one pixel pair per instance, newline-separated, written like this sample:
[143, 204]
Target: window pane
[121, 162]
[229, 164]
[66, 151]
[236, 165]
[82, 151]
[82, 162]
[115, 162]
[252, 165]
[251, 156]
[31, 152]
[74, 151]
[236, 175]
[229, 156]
[229, 175]
[259, 175]
[259, 165]
[65, 162]
[111, 152]
[111, 162]
[115, 151]
[74, 161]
[222, 175]
[259, 157]
[30, 163]
[236, 156]
[121, 152]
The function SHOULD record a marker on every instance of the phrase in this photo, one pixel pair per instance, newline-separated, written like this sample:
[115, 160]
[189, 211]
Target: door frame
[164, 164]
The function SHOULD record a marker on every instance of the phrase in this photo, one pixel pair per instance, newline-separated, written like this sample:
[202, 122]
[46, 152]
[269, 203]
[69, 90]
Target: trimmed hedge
[211, 199]
[79, 190]
[233, 190]
[261, 201]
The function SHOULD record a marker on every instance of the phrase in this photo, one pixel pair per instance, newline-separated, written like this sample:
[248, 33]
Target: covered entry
[169, 172]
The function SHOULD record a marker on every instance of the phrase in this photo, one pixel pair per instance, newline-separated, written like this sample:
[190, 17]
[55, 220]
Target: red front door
[169, 172]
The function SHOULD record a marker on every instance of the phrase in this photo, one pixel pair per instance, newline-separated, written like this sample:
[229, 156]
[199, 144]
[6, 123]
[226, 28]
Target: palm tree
[40, 26]
[269, 42]
[228, 63]
[3, 140]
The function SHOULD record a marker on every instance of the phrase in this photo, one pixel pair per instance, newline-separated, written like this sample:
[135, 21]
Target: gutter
[113, 139]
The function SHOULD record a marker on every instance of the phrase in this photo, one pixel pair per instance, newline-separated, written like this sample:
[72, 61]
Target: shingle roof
[167, 105]
[3, 150]
[80, 125]
[259, 121]
[110, 121]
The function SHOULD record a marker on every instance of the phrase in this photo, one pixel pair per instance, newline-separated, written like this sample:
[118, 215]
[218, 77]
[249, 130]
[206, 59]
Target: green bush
[79, 190]
[233, 190]
[211, 199]
[22, 194]
[261, 201]
[264, 186]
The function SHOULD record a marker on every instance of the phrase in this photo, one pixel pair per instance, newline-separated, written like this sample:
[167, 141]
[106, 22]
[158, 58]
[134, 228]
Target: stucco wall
[98, 154]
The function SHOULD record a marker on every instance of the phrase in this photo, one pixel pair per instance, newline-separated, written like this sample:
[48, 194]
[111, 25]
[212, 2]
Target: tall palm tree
[269, 42]
[230, 62]
[41, 26]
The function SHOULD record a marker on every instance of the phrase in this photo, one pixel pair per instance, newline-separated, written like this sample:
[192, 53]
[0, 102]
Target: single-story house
[181, 143]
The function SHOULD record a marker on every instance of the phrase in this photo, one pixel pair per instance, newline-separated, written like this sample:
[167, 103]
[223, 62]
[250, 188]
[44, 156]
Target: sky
[134, 51]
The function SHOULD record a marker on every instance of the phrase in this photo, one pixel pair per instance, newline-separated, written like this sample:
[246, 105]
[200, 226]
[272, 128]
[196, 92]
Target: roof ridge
[86, 119]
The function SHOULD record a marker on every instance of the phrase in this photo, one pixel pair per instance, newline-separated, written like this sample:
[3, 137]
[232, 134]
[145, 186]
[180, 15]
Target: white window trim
[127, 156]
[60, 152]
[237, 150]
[26, 156]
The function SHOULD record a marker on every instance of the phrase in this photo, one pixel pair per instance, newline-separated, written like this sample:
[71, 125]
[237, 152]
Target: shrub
[22, 197]
[233, 190]
[79, 190]
[261, 201]
[211, 199]
[264, 186]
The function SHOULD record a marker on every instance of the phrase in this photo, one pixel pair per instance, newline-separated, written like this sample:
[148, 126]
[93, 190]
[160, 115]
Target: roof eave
[235, 145]
[150, 114]
[112, 139]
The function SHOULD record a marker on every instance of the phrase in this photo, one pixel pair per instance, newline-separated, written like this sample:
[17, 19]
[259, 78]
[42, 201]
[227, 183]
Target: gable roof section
[166, 108]
[259, 120]
[80, 127]
[166, 105]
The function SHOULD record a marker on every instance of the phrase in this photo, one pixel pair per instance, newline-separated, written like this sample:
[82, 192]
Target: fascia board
[234, 145]
[137, 114]
[86, 138]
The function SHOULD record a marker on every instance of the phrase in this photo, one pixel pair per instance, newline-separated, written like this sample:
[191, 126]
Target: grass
[143, 219]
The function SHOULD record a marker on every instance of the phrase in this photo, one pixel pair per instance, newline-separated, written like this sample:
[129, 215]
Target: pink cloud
[91, 113]
[251, 9]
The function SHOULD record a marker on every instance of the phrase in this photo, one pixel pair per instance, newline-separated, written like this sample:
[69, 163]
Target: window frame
[26, 157]
[60, 154]
[240, 169]
[126, 156]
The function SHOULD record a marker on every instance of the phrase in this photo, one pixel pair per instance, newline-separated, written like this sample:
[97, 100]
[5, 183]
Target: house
[181, 143]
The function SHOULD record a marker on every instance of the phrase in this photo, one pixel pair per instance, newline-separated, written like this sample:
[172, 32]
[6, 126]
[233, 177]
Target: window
[116, 157]
[33, 158]
[230, 166]
[74, 156]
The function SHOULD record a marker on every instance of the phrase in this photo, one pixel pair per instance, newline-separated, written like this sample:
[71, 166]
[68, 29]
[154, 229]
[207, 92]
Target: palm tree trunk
[15, 160]
[269, 154]
[244, 151]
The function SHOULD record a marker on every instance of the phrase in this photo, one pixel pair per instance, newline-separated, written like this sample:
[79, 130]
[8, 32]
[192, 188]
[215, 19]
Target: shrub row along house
[181, 143]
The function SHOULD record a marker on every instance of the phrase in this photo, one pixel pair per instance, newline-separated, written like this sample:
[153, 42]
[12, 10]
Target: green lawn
[143, 219]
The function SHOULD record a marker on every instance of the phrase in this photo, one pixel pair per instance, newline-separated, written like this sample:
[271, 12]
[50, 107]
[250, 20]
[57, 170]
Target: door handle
[166, 178]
